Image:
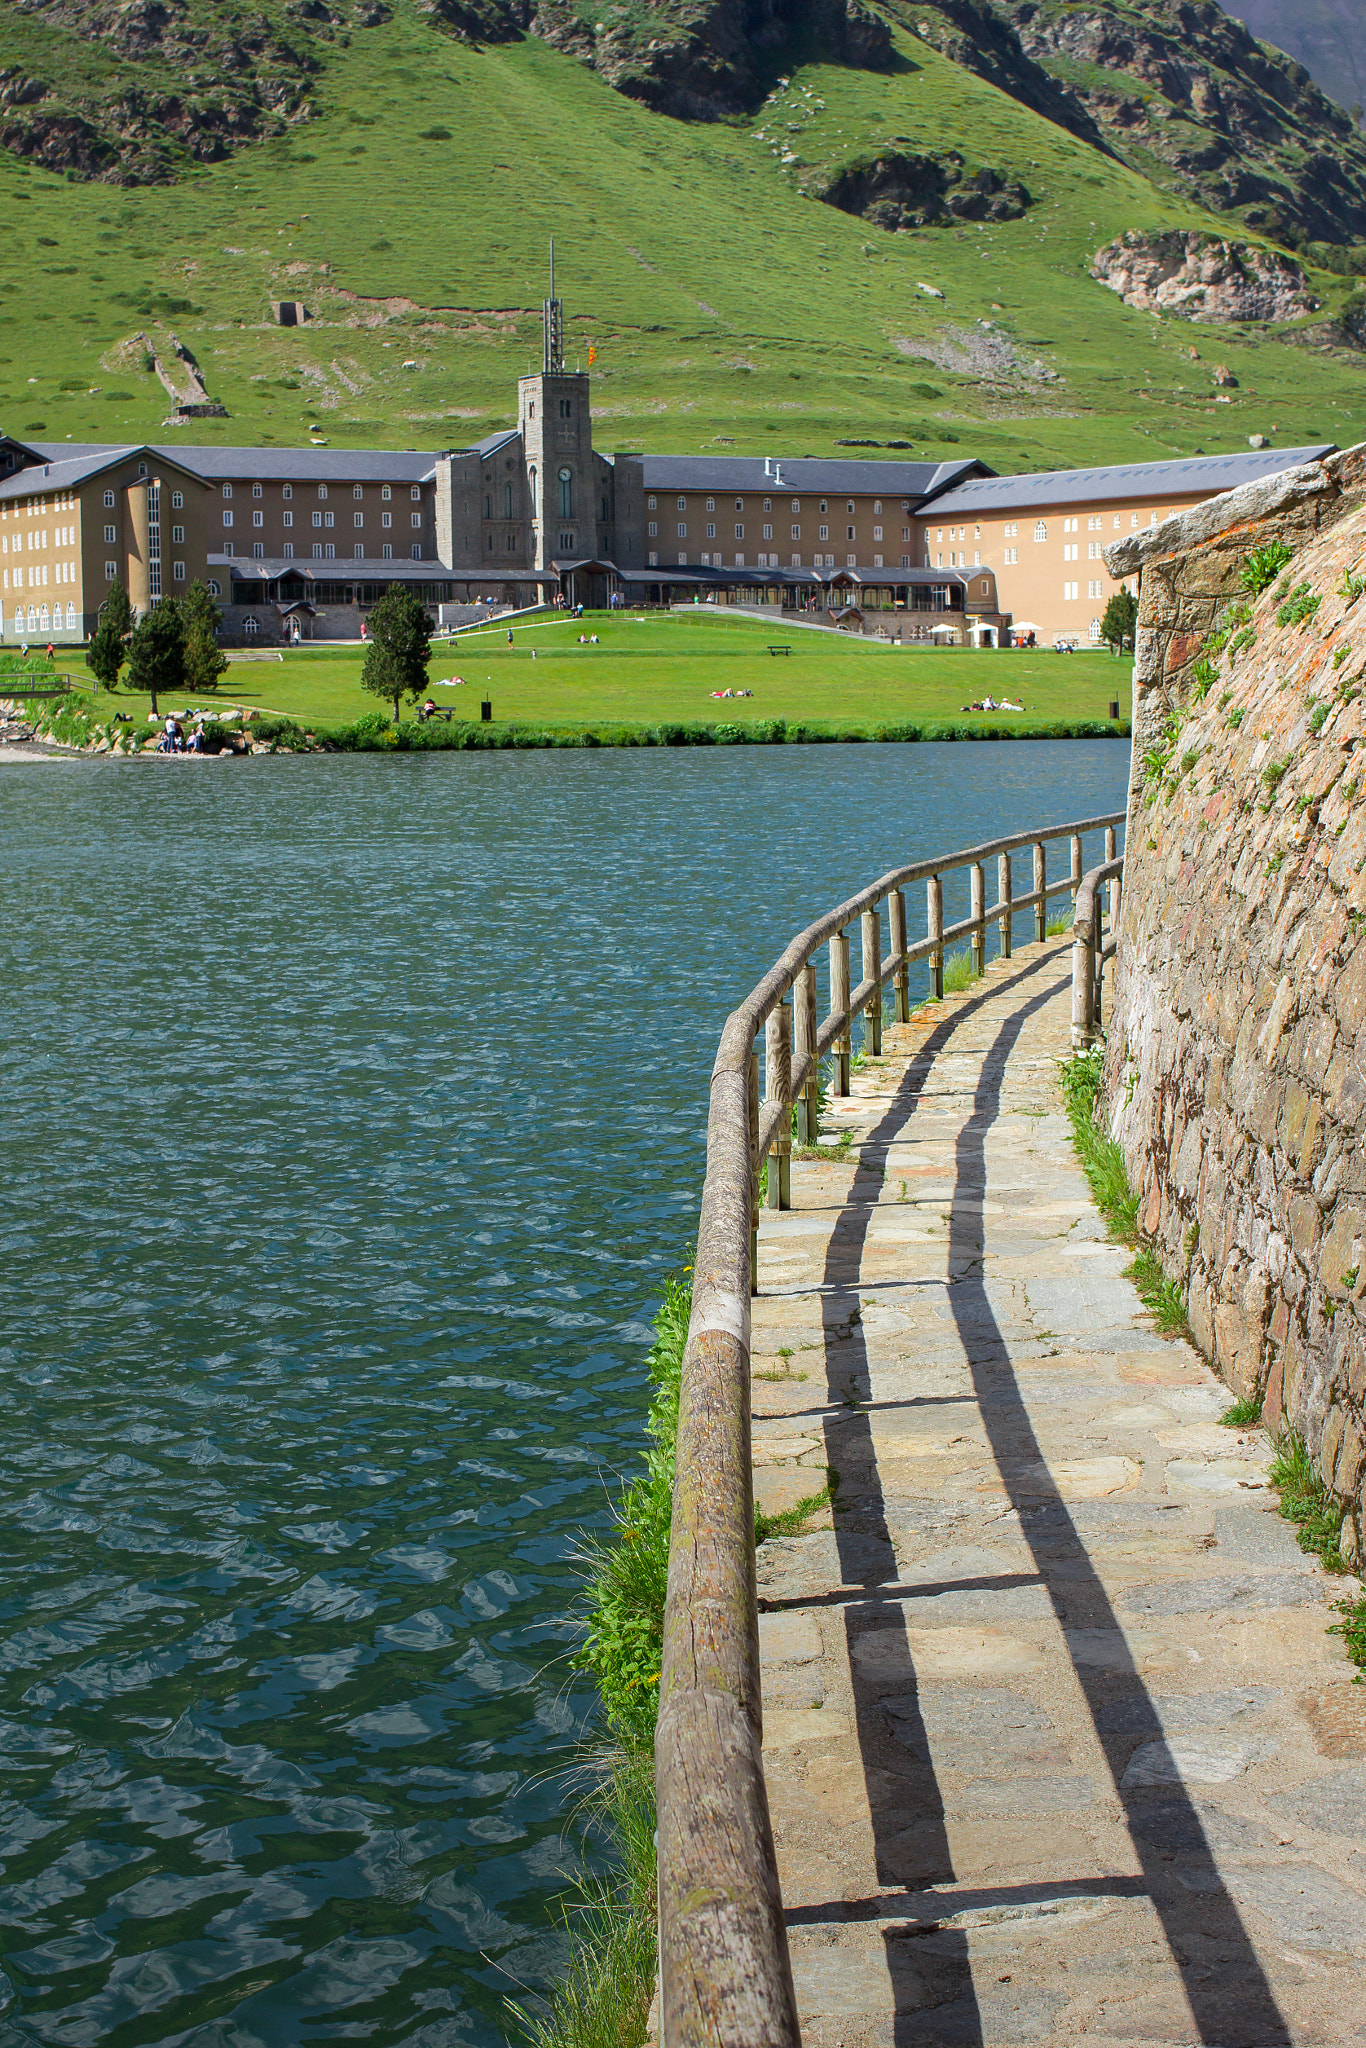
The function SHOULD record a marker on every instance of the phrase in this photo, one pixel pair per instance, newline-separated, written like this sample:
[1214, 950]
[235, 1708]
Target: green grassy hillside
[412, 215]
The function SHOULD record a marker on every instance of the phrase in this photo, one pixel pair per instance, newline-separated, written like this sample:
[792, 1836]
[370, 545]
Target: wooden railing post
[1076, 869]
[979, 921]
[752, 1083]
[872, 971]
[778, 1090]
[804, 1029]
[896, 925]
[1084, 969]
[839, 1000]
[1007, 889]
[1040, 884]
[934, 917]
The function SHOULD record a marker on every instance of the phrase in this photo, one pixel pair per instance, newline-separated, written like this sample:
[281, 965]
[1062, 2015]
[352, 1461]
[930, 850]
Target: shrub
[1262, 566]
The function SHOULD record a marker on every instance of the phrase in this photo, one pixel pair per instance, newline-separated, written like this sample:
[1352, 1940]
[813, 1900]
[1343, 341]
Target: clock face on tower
[565, 475]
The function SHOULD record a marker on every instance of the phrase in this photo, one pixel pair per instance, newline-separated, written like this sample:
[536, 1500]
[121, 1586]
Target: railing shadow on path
[932, 1982]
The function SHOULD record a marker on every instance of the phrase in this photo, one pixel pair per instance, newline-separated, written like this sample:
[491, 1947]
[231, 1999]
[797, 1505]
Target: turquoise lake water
[355, 1110]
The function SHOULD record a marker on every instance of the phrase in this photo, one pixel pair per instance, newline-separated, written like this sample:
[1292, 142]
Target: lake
[355, 1112]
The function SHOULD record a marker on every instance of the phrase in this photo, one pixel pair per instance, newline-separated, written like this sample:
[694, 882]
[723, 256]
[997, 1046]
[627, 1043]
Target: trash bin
[486, 712]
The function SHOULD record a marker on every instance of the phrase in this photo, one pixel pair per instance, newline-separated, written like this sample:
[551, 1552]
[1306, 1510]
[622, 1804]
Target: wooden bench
[780, 650]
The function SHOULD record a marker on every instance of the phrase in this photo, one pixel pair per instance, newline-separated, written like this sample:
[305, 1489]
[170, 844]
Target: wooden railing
[725, 1977]
[1090, 948]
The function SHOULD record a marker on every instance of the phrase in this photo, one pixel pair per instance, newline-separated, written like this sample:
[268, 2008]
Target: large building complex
[298, 543]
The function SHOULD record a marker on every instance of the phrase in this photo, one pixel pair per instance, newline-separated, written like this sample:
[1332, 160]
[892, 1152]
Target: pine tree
[1121, 616]
[205, 660]
[400, 646]
[109, 643]
[156, 652]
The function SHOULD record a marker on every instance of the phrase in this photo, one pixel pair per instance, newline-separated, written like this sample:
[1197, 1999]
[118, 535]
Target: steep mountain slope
[1185, 95]
[411, 213]
[1323, 35]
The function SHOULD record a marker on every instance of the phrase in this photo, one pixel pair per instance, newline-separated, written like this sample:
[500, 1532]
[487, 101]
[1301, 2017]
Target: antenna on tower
[552, 315]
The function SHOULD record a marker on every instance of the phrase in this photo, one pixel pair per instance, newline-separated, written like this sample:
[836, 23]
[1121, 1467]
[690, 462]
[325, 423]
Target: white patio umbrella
[935, 631]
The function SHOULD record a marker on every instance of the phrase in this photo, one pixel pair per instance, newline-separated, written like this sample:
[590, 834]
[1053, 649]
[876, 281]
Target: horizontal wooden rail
[725, 1976]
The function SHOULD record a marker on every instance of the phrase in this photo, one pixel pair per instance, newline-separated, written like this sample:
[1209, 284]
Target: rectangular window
[258, 518]
[111, 534]
[359, 551]
[358, 519]
[739, 533]
[417, 551]
[877, 533]
[682, 530]
[317, 551]
[317, 518]
[288, 518]
[1011, 529]
[682, 561]
[739, 561]
[768, 533]
[905, 561]
[654, 559]
[877, 561]
[178, 536]
[653, 527]
[386, 519]
[329, 519]
[851, 561]
[796, 532]
[711, 529]
[329, 552]
[289, 551]
[227, 547]
[1070, 551]
[824, 533]
[849, 533]
[227, 519]
[706, 561]
[111, 570]
[258, 549]
[387, 552]
[796, 561]
[417, 519]
[1069, 591]
[1012, 556]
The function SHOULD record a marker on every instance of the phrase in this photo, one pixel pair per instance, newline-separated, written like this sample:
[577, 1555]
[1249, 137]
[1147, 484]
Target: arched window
[251, 627]
[70, 618]
[531, 488]
[507, 501]
[566, 494]
[43, 621]
[1095, 632]
[1041, 529]
[32, 620]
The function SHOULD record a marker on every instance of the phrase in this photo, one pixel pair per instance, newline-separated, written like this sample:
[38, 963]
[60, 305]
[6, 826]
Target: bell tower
[554, 415]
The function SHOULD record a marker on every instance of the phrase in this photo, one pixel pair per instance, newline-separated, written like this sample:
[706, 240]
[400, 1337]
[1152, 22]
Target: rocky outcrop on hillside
[1323, 35]
[699, 60]
[1180, 91]
[188, 83]
[1201, 277]
[898, 189]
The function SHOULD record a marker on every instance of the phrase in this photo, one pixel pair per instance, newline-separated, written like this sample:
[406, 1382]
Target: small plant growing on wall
[1261, 566]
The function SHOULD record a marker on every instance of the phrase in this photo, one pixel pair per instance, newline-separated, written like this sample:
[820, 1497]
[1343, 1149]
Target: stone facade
[1236, 1055]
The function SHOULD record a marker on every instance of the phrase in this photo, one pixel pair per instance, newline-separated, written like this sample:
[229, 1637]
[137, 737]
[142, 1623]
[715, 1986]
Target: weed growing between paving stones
[1243, 1414]
[959, 973]
[1306, 1502]
[792, 1521]
[1352, 1629]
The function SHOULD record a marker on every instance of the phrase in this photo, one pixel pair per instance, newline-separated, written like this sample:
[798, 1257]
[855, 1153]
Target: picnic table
[781, 649]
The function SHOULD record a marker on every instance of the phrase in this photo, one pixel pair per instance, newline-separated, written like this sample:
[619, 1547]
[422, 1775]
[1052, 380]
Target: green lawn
[644, 672]
[728, 308]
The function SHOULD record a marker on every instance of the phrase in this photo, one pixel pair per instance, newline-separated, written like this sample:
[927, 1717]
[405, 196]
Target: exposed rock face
[1202, 278]
[203, 84]
[1180, 91]
[697, 59]
[1236, 1058]
[1324, 35]
[898, 189]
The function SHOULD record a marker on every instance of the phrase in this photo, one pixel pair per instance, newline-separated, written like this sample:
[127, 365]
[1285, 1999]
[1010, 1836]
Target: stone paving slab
[1057, 1746]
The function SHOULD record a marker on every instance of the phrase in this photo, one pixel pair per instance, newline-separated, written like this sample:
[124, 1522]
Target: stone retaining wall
[1236, 1055]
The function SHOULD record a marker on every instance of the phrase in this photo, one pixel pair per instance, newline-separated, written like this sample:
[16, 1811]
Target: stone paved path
[1057, 1746]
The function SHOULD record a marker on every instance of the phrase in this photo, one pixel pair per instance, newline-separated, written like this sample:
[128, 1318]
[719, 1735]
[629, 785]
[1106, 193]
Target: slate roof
[348, 570]
[288, 465]
[66, 474]
[812, 475]
[1198, 475]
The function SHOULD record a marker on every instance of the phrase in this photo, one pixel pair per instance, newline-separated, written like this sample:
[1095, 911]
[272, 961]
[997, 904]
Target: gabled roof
[287, 465]
[810, 474]
[1187, 476]
[76, 469]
